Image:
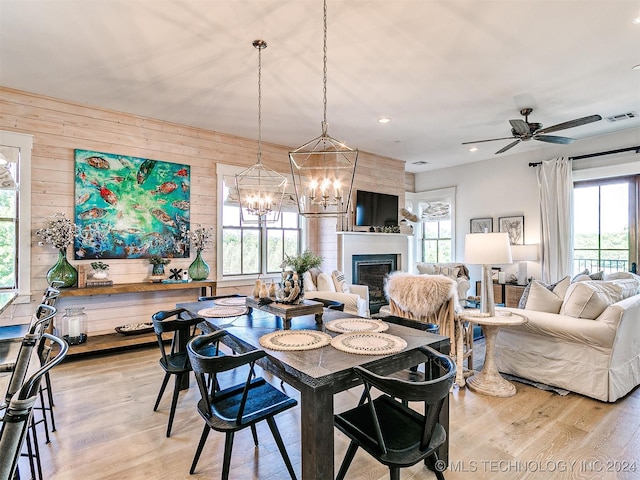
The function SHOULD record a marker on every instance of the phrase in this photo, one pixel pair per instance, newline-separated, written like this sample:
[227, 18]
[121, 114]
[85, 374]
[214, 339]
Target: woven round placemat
[295, 340]
[363, 343]
[350, 325]
[222, 312]
[231, 301]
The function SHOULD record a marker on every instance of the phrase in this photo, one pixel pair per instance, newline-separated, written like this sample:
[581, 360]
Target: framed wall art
[481, 225]
[128, 207]
[514, 226]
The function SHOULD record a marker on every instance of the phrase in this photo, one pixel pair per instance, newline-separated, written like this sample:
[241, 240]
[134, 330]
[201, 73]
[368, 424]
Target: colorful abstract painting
[128, 207]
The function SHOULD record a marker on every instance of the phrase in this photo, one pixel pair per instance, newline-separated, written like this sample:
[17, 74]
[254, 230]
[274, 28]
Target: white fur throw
[422, 295]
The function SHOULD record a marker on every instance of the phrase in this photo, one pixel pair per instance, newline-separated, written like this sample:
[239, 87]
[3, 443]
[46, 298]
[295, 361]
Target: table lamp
[487, 249]
[524, 254]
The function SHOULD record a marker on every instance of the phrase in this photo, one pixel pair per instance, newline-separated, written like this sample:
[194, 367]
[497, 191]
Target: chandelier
[323, 169]
[260, 190]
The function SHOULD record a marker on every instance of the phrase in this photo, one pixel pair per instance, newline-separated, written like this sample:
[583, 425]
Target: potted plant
[158, 263]
[292, 288]
[100, 270]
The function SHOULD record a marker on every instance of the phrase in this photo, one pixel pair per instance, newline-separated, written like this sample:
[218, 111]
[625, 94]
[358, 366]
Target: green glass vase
[63, 272]
[199, 269]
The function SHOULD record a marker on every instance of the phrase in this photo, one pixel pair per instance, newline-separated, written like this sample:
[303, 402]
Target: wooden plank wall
[59, 127]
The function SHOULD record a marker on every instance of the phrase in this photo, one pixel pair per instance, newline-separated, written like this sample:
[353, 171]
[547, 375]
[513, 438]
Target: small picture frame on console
[481, 225]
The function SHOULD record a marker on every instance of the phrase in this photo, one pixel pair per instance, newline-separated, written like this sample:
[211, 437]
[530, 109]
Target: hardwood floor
[107, 430]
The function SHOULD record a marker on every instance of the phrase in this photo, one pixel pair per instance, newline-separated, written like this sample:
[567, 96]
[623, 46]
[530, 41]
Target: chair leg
[174, 402]
[203, 440]
[394, 473]
[47, 382]
[255, 434]
[348, 458]
[283, 451]
[165, 380]
[226, 463]
[431, 462]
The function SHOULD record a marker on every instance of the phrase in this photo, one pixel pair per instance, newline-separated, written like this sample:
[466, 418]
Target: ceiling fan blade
[489, 140]
[554, 139]
[520, 127]
[504, 149]
[571, 123]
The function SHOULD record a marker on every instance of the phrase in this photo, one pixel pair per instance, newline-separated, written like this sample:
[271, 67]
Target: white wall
[505, 185]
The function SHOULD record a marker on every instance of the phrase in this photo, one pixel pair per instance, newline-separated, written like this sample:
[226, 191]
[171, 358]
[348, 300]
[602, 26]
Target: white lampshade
[524, 252]
[487, 249]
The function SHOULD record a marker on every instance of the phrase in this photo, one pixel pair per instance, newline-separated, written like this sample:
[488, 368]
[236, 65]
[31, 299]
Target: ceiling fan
[523, 130]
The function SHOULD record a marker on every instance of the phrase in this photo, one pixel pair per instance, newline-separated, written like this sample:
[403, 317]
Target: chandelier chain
[324, 72]
[260, 47]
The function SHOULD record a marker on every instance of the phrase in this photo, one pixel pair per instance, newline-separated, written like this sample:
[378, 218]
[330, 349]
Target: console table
[116, 341]
[117, 288]
[506, 293]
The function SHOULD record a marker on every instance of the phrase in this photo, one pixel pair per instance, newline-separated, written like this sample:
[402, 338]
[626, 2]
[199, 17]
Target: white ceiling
[445, 71]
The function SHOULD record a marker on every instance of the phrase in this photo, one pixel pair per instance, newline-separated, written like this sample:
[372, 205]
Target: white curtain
[555, 185]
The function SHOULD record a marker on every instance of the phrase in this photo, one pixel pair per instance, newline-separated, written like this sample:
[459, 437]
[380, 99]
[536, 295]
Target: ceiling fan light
[384, 120]
[473, 149]
[636, 67]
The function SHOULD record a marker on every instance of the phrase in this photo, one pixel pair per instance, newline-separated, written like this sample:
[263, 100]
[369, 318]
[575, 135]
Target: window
[605, 224]
[15, 204]
[253, 249]
[434, 235]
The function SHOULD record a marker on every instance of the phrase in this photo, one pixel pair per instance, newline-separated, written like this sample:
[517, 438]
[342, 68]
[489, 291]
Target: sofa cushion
[590, 298]
[339, 282]
[558, 289]
[541, 299]
[325, 283]
[430, 269]
[307, 280]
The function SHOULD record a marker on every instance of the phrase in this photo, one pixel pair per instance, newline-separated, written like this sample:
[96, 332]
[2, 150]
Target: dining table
[320, 373]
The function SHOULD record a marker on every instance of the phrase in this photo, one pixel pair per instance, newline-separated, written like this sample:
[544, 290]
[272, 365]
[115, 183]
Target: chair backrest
[441, 371]
[41, 320]
[50, 296]
[204, 365]
[19, 411]
[21, 366]
[166, 321]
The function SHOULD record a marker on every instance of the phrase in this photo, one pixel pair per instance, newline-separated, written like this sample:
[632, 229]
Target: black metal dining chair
[235, 408]
[388, 429]
[174, 359]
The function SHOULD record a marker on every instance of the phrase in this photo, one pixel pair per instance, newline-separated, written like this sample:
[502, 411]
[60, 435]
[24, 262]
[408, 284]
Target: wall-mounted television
[376, 209]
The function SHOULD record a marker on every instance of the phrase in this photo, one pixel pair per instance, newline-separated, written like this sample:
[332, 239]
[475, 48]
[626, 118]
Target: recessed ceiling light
[384, 120]
[637, 67]
[473, 149]
[636, 20]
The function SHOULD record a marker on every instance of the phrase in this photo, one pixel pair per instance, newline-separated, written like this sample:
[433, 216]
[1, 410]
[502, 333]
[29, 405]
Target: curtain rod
[599, 154]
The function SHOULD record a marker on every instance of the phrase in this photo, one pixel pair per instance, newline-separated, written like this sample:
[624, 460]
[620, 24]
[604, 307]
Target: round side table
[489, 381]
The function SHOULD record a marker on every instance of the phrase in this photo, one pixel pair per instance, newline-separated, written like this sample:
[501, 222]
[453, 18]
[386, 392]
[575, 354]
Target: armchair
[456, 271]
[332, 287]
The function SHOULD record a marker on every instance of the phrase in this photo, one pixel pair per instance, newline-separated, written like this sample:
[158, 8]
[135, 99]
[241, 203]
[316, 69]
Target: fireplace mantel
[366, 243]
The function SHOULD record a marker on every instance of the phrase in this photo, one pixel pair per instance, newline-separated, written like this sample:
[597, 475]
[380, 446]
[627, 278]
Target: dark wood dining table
[319, 374]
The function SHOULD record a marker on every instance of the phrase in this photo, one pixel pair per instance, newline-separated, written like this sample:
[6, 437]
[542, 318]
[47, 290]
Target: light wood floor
[107, 430]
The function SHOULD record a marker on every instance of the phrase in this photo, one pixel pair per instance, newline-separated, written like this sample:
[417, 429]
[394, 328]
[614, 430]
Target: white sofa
[581, 336]
[454, 270]
[318, 284]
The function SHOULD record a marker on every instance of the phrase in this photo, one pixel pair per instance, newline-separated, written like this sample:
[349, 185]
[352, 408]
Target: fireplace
[371, 270]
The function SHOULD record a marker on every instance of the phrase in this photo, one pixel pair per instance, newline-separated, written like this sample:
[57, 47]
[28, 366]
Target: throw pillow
[425, 268]
[339, 282]
[451, 272]
[307, 281]
[579, 277]
[597, 276]
[541, 299]
[315, 271]
[325, 283]
[590, 299]
[559, 288]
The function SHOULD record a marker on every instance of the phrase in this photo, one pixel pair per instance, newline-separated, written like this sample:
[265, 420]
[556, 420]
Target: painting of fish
[130, 207]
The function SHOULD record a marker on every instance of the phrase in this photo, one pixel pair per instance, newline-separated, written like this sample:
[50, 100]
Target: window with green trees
[605, 229]
[255, 249]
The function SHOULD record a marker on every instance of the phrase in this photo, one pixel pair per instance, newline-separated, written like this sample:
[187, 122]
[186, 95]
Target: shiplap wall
[60, 127]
